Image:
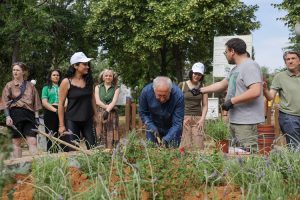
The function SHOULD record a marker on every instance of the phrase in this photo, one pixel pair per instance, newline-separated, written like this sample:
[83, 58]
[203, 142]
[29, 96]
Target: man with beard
[244, 101]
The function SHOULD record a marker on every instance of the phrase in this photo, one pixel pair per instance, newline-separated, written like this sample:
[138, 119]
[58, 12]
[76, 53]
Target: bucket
[266, 137]
[223, 145]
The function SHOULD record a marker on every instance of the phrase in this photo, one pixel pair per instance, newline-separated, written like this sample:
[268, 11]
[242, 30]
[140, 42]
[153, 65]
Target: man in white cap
[244, 99]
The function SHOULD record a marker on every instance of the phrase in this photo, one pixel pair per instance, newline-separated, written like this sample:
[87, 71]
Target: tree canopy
[144, 39]
[139, 39]
[293, 16]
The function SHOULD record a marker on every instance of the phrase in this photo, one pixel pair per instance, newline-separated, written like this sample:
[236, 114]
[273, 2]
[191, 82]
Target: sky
[270, 39]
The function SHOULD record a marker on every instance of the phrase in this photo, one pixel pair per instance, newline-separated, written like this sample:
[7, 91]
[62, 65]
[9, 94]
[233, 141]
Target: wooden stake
[63, 142]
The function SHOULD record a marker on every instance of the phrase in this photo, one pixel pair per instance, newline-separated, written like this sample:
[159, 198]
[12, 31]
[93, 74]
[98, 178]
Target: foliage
[217, 129]
[52, 181]
[43, 35]
[145, 39]
[293, 9]
[5, 150]
[136, 168]
[266, 177]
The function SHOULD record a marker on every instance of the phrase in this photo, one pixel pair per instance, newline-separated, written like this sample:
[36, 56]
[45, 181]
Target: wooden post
[127, 115]
[269, 113]
[133, 116]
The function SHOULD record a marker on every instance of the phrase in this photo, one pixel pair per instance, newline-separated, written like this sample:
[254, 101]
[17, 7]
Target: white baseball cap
[198, 67]
[79, 57]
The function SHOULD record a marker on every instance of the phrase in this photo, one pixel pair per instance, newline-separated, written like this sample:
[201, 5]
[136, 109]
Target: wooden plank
[26, 159]
[61, 141]
[269, 115]
[127, 115]
[133, 116]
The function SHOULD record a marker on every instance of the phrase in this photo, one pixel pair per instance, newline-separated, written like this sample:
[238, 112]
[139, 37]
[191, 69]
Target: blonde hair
[115, 76]
[23, 67]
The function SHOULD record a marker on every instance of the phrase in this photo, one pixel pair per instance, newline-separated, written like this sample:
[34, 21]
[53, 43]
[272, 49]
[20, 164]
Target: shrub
[217, 130]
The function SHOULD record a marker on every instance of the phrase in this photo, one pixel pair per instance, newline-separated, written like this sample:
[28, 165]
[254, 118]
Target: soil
[23, 188]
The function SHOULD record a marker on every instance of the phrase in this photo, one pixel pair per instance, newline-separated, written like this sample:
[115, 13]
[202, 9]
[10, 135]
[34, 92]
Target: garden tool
[157, 136]
[62, 142]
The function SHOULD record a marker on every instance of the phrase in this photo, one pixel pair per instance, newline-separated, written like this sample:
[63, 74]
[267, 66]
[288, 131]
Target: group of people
[75, 107]
[175, 115]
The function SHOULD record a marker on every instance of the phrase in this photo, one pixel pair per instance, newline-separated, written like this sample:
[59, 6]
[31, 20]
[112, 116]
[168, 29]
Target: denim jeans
[290, 126]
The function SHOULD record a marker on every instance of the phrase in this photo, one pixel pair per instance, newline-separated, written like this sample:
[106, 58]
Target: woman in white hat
[77, 87]
[196, 106]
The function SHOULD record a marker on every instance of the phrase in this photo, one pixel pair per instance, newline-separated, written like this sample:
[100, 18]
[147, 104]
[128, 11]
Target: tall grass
[137, 169]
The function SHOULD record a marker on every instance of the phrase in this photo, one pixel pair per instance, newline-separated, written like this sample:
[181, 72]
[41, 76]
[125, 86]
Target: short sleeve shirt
[287, 86]
[30, 99]
[51, 94]
[239, 80]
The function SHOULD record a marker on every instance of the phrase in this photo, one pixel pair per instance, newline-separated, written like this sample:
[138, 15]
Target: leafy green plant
[217, 130]
[5, 149]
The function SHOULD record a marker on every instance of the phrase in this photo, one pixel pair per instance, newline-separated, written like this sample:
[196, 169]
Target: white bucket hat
[198, 67]
[79, 57]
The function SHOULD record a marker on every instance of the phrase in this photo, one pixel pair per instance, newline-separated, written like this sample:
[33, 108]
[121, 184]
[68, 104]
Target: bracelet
[61, 125]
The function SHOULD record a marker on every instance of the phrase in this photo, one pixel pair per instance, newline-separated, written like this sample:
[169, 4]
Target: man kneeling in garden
[161, 108]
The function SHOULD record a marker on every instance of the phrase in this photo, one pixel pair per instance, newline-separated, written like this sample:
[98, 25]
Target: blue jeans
[290, 126]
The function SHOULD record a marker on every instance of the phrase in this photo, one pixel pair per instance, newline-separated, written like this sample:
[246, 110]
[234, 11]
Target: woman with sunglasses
[77, 87]
[50, 102]
[196, 106]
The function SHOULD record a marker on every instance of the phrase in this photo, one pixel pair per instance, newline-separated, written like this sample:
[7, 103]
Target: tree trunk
[16, 52]
[163, 64]
[178, 62]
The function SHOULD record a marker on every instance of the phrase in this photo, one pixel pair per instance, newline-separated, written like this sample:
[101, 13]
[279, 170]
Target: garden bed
[138, 170]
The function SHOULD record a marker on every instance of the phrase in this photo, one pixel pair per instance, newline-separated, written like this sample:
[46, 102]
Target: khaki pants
[244, 135]
[192, 137]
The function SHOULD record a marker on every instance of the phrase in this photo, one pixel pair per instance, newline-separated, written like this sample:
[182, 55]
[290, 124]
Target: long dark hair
[48, 79]
[88, 78]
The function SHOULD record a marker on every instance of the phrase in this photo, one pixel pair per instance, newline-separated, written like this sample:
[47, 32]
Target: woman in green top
[195, 109]
[50, 102]
[107, 94]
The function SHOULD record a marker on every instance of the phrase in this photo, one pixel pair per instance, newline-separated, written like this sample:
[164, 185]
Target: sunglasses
[197, 73]
[85, 63]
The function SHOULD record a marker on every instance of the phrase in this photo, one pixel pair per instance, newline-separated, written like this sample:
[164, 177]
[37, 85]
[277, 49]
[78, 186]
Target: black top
[79, 106]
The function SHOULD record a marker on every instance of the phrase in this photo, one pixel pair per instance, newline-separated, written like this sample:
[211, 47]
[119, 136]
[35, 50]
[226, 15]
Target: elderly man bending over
[161, 108]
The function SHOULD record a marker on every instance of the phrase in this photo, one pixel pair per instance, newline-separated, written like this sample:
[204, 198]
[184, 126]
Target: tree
[43, 34]
[144, 39]
[293, 9]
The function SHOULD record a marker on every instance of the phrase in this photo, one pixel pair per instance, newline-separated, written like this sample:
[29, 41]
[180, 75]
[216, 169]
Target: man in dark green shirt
[287, 83]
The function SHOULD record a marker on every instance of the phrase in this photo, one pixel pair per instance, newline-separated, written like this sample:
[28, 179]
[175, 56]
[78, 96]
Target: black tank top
[79, 106]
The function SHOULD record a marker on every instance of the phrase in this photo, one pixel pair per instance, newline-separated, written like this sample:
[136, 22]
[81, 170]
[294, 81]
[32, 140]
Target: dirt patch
[21, 190]
[78, 180]
[219, 192]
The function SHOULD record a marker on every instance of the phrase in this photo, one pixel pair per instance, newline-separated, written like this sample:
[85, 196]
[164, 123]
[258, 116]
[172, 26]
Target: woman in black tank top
[78, 117]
